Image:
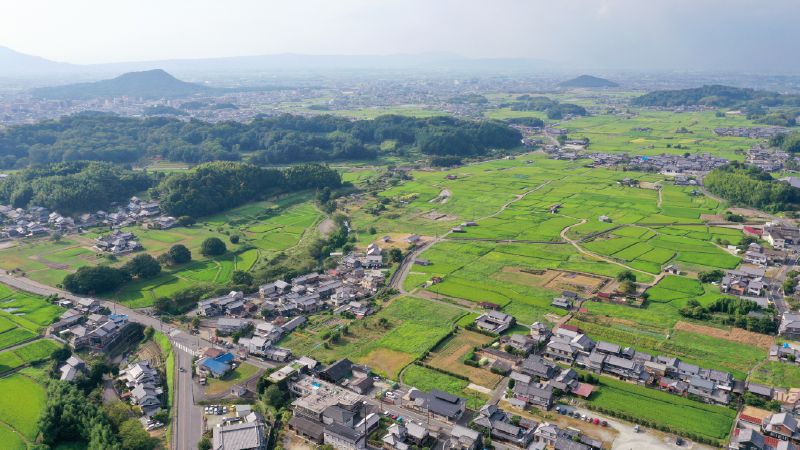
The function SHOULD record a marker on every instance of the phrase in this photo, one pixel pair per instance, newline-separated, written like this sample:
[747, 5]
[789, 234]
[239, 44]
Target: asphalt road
[187, 426]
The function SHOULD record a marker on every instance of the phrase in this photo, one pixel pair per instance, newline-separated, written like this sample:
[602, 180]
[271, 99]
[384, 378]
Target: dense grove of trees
[95, 279]
[787, 142]
[69, 416]
[72, 187]
[218, 186]
[716, 95]
[554, 109]
[751, 186]
[269, 140]
[734, 312]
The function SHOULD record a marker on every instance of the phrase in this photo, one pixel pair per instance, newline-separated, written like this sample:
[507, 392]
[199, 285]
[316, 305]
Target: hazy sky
[679, 34]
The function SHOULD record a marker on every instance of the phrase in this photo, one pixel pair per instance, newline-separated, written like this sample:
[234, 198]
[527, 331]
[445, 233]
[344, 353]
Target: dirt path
[595, 255]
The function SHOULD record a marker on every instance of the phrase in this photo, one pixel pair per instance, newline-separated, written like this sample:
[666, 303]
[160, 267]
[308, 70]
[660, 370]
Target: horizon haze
[739, 35]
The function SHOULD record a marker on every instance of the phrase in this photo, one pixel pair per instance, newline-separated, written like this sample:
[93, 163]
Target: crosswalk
[184, 348]
[174, 332]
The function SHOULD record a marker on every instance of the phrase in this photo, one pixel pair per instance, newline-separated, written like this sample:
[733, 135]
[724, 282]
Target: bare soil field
[555, 280]
[438, 217]
[734, 334]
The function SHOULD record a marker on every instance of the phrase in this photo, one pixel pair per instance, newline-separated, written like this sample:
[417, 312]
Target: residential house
[438, 404]
[494, 322]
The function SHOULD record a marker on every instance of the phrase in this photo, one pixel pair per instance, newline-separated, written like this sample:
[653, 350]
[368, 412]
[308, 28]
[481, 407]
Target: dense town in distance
[559, 227]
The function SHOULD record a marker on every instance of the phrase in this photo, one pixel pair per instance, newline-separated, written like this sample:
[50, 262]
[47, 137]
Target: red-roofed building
[570, 328]
[753, 231]
[583, 390]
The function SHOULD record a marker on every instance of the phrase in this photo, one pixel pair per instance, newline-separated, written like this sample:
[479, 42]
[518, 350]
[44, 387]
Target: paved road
[187, 416]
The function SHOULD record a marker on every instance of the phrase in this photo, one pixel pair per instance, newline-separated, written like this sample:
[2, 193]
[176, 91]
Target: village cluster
[18, 223]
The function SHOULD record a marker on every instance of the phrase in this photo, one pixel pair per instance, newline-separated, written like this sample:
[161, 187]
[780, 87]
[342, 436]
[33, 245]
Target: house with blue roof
[216, 367]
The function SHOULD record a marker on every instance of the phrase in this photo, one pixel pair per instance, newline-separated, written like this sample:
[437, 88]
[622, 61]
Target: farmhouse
[494, 322]
[144, 384]
[534, 394]
[463, 438]
[438, 404]
[118, 242]
[227, 326]
[72, 368]
[404, 435]
[252, 434]
[499, 424]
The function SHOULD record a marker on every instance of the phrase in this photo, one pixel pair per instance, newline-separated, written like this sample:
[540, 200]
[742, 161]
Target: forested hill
[750, 186]
[78, 187]
[148, 84]
[282, 139]
[72, 187]
[588, 81]
[218, 186]
[715, 96]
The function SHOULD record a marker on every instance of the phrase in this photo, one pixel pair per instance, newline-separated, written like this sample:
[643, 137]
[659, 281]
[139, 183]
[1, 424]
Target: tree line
[217, 186]
[72, 187]
[554, 109]
[715, 95]
[750, 186]
[281, 139]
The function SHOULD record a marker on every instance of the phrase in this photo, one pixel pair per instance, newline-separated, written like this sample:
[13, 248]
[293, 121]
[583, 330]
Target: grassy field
[680, 414]
[426, 379]
[450, 355]
[22, 409]
[777, 374]
[219, 386]
[388, 348]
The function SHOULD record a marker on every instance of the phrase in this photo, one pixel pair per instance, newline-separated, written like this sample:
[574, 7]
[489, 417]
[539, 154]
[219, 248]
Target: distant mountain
[14, 63]
[148, 84]
[588, 81]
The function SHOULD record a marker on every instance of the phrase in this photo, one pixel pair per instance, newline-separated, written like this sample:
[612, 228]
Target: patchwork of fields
[265, 229]
[387, 346]
[23, 316]
[650, 133]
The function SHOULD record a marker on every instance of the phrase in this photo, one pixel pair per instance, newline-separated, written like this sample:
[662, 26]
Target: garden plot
[450, 355]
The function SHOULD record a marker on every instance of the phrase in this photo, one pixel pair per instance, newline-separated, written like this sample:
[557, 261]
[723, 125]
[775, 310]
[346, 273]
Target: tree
[143, 266]
[241, 277]
[56, 236]
[213, 247]
[627, 287]
[204, 444]
[711, 276]
[395, 255]
[234, 238]
[179, 254]
[626, 275]
[134, 437]
[275, 396]
[117, 412]
[186, 221]
[95, 280]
